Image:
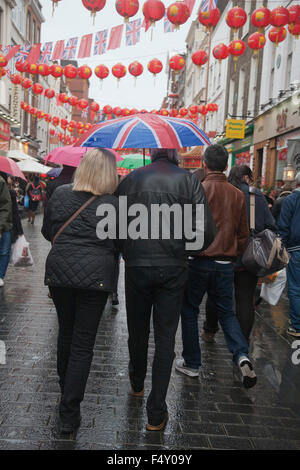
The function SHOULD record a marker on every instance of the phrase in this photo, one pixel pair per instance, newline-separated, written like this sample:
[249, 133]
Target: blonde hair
[97, 173]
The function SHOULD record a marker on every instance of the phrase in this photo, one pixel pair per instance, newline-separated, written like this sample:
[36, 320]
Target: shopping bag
[26, 201]
[271, 292]
[20, 253]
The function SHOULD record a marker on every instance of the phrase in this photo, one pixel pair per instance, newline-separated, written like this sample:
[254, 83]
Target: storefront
[272, 131]
[4, 135]
[240, 151]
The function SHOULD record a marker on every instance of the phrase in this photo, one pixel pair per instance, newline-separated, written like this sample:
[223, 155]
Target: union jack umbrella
[133, 32]
[144, 131]
[208, 5]
[100, 42]
[46, 53]
[70, 49]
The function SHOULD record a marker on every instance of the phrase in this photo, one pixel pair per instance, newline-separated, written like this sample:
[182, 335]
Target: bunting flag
[208, 5]
[46, 53]
[133, 32]
[115, 37]
[34, 54]
[146, 24]
[70, 49]
[100, 42]
[85, 47]
[23, 53]
[10, 51]
[58, 50]
[168, 26]
[190, 4]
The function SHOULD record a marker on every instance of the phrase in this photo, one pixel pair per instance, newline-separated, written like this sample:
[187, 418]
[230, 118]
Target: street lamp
[289, 173]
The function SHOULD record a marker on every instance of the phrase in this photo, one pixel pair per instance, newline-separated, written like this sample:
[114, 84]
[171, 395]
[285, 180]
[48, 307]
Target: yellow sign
[235, 129]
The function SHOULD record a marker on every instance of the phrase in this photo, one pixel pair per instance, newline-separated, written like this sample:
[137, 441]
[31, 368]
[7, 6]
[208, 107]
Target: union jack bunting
[133, 32]
[23, 53]
[208, 5]
[46, 53]
[100, 42]
[70, 49]
[168, 26]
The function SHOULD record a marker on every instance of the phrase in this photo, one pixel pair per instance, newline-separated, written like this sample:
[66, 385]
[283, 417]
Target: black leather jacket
[163, 182]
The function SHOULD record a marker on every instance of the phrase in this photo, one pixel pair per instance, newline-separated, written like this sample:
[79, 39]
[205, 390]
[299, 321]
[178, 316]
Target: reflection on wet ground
[213, 411]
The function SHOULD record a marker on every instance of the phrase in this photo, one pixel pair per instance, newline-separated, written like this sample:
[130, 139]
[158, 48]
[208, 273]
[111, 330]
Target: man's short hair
[216, 157]
[297, 178]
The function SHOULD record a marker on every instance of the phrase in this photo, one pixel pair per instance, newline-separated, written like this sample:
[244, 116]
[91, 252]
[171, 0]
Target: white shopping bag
[271, 293]
[20, 253]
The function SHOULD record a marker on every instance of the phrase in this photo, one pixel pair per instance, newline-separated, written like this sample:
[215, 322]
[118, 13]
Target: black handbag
[265, 253]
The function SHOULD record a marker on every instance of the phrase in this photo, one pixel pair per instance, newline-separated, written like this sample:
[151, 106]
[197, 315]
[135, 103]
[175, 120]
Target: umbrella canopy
[134, 161]
[30, 166]
[19, 155]
[144, 131]
[11, 168]
[54, 172]
[70, 155]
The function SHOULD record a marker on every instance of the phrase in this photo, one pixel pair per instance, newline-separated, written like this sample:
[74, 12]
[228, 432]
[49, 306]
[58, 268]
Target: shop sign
[241, 144]
[235, 129]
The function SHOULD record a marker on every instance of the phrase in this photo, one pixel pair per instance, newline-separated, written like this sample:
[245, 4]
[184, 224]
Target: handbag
[265, 253]
[87, 203]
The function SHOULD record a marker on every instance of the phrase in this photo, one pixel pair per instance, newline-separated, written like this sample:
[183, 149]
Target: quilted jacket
[78, 259]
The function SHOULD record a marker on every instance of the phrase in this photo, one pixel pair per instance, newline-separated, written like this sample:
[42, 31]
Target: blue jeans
[5, 244]
[207, 276]
[293, 276]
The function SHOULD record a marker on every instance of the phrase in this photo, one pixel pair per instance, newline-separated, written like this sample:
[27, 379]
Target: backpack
[36, 193]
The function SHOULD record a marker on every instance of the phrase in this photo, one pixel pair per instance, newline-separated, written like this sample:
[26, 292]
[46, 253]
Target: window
[18, 17]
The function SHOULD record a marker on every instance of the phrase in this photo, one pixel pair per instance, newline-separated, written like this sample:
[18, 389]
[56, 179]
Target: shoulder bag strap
[252, 211]
[87, 203]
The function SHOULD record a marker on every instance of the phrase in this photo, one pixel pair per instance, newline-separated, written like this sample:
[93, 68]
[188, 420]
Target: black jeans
[161, 288]
[245, 285]
[79, 312]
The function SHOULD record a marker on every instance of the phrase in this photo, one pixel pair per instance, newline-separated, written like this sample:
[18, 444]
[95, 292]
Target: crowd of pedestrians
[166, 275]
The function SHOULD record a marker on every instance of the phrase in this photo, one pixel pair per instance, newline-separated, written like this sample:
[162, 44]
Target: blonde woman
[80, 272]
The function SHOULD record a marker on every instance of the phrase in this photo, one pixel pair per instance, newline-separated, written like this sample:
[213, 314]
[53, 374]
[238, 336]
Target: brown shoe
[208, 337]
[160, 427]
[137, 394]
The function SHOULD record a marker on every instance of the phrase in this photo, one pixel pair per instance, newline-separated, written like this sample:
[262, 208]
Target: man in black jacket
[156, 267]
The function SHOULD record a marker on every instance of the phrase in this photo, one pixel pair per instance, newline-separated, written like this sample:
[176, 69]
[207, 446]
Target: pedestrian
[5, 227]
[79, 272]
[286, 190]
[212, 271]
[245, 283]
[289, 230]
[156, 273]
[65, 177]
[34, 192]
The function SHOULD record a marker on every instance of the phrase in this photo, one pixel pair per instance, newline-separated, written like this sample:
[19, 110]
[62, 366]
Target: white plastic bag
[20, 253]
[271, 293]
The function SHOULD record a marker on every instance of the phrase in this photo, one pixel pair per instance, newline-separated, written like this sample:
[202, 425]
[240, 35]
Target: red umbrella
[7, 165]
[71, 156]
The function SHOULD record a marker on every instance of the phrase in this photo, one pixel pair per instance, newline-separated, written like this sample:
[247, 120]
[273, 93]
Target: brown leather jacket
[228, 207]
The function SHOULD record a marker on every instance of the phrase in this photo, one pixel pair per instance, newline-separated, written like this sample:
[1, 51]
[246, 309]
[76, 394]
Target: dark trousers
[79, 312]
[245, 285]
[161, 288]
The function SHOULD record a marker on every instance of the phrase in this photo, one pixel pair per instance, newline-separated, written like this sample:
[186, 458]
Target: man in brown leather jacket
[212, 271]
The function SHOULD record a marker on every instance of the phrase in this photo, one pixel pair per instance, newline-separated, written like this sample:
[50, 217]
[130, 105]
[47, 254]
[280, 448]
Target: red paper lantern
[48, 118]
[127, 8]
[209, 18]
[177, 63]
[49, 93]
[237, 48]
[256, 42]
[117, 111]
[82, 104]
[119, 71]
[37, 89]
[85, 72]
[193, 109]
[55, 121]
[52, 132]
[174, 112]
[133, 111]
[93, 6]
[260, 18]
[294, 29]
[33, 111]
[199, 58]
[87, 126]
[24, 105]
[94, 107]
[16, 79]
[44, 69]
[143, 111]
[70, 71]
[40, 114]
[26, 83]
[155, 66]
[178, 13]
[153, 10]
[32, 69]
[63, 98]
[56, 71]
[3, 72]
[236, 18]
[73, 100]
[107, 109]
[3, 61]
[279, 17]
[203, 110]
[64, 123]
[164, 112]
[277, 35]
[136, 69]
[79, 125]
[21, 66]
[294, 14]
[125, 112]
[183, 112]
[72, 124]
[220, 52]
[101, 71]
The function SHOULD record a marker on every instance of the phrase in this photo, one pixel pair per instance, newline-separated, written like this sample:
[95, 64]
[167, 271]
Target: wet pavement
[212, 412]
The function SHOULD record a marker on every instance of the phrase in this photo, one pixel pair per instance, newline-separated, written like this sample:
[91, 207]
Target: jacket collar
[215, 177]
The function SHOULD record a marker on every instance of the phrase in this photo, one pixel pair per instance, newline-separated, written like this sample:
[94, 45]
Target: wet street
[212, 412]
